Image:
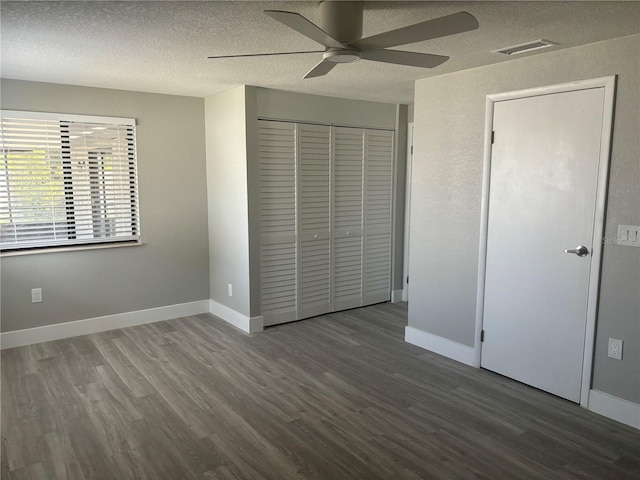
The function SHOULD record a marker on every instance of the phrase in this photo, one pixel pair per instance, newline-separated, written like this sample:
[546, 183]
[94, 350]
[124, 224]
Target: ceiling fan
[341, 35]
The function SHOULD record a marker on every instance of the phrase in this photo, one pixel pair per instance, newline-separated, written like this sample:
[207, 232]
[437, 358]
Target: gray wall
[253, 183]
[172, 265]
[227, 198]
[446, 192]
[400, 175]
[300, 107]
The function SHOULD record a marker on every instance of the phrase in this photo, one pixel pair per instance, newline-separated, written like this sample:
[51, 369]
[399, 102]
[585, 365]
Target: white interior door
[378, 191]
[542, 201]
[325, 218]
[278, 247]
[314, 277]
[347, 168]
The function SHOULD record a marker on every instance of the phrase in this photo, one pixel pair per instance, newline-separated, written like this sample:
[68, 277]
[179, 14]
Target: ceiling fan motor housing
[342, 20]
[339, 55]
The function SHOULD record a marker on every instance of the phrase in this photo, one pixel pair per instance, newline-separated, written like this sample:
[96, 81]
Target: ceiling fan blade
[301, 25]
[399, 57]
[266, 54]
[438, 27]
[320, 69]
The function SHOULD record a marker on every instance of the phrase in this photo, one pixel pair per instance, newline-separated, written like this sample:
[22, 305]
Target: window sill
[74, 248]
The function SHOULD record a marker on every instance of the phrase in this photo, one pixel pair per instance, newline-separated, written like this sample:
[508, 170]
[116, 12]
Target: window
[67, 180]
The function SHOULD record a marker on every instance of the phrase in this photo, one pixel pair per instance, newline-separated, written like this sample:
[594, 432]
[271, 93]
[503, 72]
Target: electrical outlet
[229, 289]
[615, 348]
[36, 295]
[629, 235]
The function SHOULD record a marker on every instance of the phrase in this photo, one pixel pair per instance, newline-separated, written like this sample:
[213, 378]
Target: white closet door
[277, 163]
[378, 175]
[314, 263]
[347, 169]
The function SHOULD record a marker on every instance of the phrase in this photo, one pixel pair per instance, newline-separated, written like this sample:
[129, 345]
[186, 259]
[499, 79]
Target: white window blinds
[67, 180]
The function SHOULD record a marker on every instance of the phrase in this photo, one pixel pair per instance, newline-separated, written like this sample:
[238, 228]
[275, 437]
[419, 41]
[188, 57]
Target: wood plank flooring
[336, 397]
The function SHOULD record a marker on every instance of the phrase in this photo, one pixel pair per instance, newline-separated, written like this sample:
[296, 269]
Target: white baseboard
[396, 296]
[440, 345]
[405, 294]
[616, 408]
[57, 331]
[237, 319]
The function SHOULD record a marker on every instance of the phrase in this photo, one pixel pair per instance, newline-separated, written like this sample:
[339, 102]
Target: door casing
[608, 83]
[407, 213]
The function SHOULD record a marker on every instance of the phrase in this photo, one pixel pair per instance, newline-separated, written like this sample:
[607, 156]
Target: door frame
[407, 213]
[608, 83]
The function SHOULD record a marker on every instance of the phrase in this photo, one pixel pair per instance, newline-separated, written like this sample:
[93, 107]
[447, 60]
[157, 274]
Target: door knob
[580, 251]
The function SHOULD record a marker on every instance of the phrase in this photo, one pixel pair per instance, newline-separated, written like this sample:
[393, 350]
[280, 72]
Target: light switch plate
[629, 235]
[36, 295]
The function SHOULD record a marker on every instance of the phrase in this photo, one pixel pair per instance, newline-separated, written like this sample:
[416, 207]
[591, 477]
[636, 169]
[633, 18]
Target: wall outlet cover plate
[615, 349]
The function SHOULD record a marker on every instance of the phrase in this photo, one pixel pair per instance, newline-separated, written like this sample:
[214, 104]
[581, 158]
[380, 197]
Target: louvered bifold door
[314, 262]
[347, 168]
[278, 261]
[378, 175]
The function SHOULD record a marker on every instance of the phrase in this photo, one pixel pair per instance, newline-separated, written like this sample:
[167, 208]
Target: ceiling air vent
[525, 47]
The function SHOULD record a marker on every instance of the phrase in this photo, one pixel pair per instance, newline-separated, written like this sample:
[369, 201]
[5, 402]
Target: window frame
[130, 164]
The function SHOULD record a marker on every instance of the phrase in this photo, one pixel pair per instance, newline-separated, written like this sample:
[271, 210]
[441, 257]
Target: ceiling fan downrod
[342, 20]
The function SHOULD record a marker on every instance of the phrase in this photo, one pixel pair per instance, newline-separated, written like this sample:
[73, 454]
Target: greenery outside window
[67, 180]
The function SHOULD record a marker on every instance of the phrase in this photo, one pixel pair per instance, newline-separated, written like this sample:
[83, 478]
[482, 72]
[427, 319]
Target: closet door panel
[347, 170]
[314, 262]
[378, 192]
[277, 168]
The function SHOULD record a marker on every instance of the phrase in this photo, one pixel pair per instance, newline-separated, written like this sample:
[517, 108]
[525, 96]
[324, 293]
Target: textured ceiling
[163, 46]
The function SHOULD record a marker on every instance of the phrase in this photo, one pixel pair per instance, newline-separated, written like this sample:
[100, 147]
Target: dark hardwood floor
[335, 397]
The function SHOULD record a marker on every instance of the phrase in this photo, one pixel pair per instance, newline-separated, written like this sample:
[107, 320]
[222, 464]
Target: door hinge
[493, 136]
[482, 336]
[407, 279]
[411, 149]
